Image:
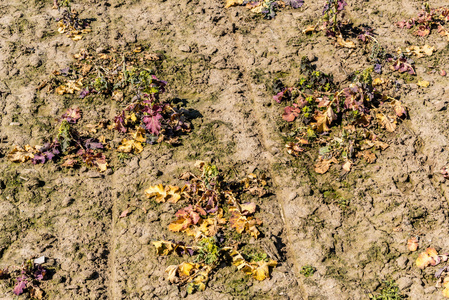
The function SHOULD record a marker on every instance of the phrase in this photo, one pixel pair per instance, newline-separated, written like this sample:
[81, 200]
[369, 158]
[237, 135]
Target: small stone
[402, 262]
[443, 73]
[67, 201]
[404, 283]
[39, 260]
[184, 48]
[440, 105]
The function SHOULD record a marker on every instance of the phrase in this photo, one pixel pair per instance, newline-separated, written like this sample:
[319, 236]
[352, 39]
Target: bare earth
[222, 63]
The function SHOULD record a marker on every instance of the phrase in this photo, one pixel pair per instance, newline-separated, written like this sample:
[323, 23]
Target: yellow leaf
[258, 9]
[18, 154]
[378, 81]
[309, 29]
[446, 292]
[390, 126]
[163, 247]
[262, 271]
[423, 83]
[185, 268]
[103, 166]
[139, 135]
[128, 146]
[420, 51]
[238, 221]
[77, 37]
[208, 227]
[173, 194]
[345, 44]
[179, 225]
[61, 90]
[158, 191]
[423, 260]
[193, 231]
[230, 3]
[172, 273]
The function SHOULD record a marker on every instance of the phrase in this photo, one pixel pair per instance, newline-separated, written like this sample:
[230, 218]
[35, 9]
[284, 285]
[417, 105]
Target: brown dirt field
[220, 62]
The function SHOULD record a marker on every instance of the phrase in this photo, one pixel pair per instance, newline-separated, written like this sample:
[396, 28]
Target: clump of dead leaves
[210, 214]
[70, 146]
[344, 123]
[124, 75]
[72, 25]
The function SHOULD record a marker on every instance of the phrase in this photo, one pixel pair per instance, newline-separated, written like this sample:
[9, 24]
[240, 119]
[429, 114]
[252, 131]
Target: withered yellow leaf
[389, 126]
[378, 81]
[163, 247]
[19, 154]
[250, 207]
[158, 191]
[345, 44]
[230, 3]
[423, 260]
[429, 257]
[179, 225]
[173, 194]
[172, 273]
[446, 293]
[420, 51]
[133, 145]
[185, 268]
[76, 37]
[261, 272]
[309, 29]
[423, 83]
[323, 166]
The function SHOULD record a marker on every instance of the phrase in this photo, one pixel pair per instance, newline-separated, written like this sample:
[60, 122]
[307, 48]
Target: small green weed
[308, 270]
[389, 291]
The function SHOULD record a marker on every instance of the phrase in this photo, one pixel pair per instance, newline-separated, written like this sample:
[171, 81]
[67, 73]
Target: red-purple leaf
[290, 113]
[21, 285]
[152, 123]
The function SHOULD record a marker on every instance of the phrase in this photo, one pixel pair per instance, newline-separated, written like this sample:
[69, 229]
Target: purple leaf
[278, 97]
[84, 93]
[341, 4]
[378, 68]
[38, 159]
[65, 71]
[295, 3]
[92, 144]
[120, 122]
[152, 123]
[21, 285]
[440, 271]
[40, 272]
[49, 155]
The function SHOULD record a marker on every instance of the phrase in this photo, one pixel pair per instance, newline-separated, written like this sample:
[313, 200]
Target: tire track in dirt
[113, 239]
[268, 143]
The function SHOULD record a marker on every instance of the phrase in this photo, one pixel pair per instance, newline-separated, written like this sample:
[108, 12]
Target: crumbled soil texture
[353, 228]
